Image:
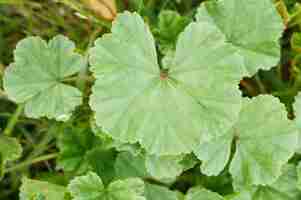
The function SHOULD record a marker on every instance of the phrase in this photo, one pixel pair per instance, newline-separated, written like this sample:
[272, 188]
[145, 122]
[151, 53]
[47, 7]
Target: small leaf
[90, 187]
[170, 25]
[74, 143]
[31, 189]
[37, 75]
[10, 150]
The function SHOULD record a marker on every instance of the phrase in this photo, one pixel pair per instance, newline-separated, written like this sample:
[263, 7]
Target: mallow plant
[155, 119]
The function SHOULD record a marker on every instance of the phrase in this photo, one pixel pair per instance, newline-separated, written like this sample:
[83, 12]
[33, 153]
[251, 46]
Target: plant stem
[42, 145]
[13, 120]
[86, 78]
[30, 162]
[260, 84]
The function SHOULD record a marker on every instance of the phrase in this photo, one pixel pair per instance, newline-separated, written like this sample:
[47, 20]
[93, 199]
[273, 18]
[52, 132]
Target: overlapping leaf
[155, 192]
[90, 187]
[32, 189]
[198, 193]
[252, 27]
[265, 140]
[285, 188]
[170, 25]
[75, 143]
[164, 167]
[136, 101]
[128, 165]
[36, 77]
[102, 161]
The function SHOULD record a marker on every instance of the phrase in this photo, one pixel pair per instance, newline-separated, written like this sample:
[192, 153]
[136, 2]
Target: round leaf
[136, 102]
[265, 139]
[36, 77]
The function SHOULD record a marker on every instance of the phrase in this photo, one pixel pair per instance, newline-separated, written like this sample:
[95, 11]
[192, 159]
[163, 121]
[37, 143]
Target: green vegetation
[150, 100]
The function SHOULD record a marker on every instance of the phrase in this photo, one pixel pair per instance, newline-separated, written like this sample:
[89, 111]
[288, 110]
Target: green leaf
[113, 143]
[74, 143]
[214, 154]
[36, 77]
[253, 27]
[297, 110]
[155, 192]
[128, 165]
[86, 187]
[285, 188]
[136, 102]
[189, 161]
[164, 167]
[299, 176]
[198, 193]
[10, 150]
[90, 187]
[132, 188]
[170, 25]
[31, 189]
[265, 139]
[102, 162]
[296, 41]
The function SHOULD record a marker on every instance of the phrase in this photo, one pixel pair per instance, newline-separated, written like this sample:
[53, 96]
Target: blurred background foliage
[85, 20]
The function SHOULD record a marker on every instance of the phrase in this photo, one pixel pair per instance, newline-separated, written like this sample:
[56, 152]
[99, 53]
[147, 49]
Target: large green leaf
[90, 187]
[32, 189]
[265, 139]
[135, 101]
[253, 27]
[36, 77]
[10, 150]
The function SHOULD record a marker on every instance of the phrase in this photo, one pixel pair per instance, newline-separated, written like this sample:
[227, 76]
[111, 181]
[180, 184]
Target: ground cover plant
[150, 100]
